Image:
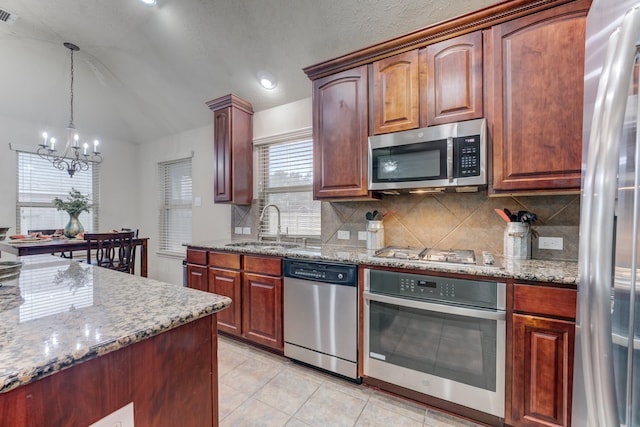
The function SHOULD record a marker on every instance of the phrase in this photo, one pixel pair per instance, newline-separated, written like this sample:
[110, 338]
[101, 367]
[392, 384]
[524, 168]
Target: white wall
[210, 221]
[119, 205]
[283, 118]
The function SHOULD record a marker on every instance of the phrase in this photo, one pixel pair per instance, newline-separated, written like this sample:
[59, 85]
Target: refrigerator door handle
[597, 227]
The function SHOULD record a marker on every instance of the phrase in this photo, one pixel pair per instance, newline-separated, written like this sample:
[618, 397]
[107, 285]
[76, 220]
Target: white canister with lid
[375, 235]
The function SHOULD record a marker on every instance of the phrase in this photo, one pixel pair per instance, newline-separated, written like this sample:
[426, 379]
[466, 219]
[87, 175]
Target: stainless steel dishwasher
[320, 315]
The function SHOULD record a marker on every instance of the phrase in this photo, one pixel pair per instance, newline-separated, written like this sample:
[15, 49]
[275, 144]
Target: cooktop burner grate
[452, 256]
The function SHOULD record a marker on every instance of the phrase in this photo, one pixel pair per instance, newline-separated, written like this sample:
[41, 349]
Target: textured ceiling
[146, 72]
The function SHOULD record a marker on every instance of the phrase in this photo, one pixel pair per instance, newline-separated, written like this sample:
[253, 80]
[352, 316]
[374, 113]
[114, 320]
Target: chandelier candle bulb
[95, 146]
[53, 143]
[86, 146]
[44, 139]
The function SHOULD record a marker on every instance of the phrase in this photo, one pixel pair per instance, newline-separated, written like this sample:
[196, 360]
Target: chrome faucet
[278, 210]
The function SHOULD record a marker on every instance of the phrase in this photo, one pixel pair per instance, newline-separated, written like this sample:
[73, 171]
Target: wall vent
[8, 17]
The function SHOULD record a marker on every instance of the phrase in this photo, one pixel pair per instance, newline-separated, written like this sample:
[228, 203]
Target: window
[175, 205]
[285, 178]
[39, 183]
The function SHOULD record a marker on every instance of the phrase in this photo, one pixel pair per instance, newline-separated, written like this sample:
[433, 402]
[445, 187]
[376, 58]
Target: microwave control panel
[467, 149]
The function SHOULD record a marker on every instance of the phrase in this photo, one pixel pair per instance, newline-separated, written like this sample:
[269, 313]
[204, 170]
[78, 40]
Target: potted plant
[75, 204]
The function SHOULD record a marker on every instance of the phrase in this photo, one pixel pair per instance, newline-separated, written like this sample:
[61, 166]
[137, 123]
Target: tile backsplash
[444, 221]
[456, 221]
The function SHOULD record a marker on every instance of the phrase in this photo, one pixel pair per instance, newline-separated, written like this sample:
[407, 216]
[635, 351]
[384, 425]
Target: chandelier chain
[71, 91]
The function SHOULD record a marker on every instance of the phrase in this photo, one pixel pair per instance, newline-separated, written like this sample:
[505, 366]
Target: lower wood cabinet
[262, 309]
[542, 362]
[254, 283]
[228, 283]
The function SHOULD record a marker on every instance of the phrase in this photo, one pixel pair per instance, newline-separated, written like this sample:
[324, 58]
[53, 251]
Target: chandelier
[75, 157]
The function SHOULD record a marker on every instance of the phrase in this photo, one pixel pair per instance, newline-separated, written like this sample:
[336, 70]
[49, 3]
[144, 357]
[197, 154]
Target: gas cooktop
[451, 256]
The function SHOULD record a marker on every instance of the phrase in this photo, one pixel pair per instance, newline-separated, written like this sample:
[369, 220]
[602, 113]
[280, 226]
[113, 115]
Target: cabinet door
[394, 102]
[536, 79]
[228, 283]
[262, 310]
[451, 80]
[340, 135]
[222, 153]
[197, 277]
[233, 163]
[542, 371]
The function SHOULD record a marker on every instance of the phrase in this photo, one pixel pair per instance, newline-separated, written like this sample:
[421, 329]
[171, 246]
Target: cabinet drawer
[545, 300]
[197, 256]
[263, 265]
[224, 260]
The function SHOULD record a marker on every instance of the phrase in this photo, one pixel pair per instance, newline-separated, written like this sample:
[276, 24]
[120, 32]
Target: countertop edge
[58, 364]
[543, 271]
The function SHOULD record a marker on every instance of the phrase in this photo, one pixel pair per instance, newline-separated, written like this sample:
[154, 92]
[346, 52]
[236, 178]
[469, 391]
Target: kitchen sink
[263, 245]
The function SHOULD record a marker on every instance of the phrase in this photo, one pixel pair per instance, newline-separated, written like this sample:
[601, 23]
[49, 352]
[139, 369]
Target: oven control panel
[477, 293]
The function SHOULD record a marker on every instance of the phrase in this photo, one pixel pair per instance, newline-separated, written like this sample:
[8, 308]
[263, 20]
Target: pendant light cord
[71, 91]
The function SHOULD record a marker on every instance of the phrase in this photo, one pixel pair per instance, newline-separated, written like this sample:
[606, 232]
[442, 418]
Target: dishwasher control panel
[341, 274]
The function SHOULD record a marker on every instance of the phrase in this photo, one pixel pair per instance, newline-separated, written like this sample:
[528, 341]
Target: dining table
[25, 247]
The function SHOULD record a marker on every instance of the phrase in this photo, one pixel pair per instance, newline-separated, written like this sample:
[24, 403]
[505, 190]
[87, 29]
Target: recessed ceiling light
[267, 80]
[149, 2]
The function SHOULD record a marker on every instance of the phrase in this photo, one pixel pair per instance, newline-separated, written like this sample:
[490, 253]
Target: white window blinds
[285, 178]
[39, 183]
[175, 205]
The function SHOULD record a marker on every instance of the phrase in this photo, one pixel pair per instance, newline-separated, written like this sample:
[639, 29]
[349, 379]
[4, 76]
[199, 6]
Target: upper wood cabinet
[340, 124]
[394, 98]
[535, 76]
[232, 143]
[451, 80]
[441, 83]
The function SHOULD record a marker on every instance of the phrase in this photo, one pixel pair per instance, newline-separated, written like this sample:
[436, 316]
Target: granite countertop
[59, 313]
[559, 272]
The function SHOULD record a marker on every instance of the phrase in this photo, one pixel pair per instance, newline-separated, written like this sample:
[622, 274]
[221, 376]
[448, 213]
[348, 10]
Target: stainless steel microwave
[450, 155]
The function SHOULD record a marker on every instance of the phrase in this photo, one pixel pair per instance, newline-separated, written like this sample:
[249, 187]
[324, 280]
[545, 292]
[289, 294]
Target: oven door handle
[440, 308]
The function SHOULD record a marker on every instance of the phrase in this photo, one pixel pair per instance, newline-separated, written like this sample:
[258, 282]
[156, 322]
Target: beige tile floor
[257, 388]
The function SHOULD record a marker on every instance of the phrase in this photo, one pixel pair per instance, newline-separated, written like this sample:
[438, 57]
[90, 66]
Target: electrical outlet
[238, 230]
[553, 243]
[362, 235]
[246, 230]
[344, 235]
[197, 201]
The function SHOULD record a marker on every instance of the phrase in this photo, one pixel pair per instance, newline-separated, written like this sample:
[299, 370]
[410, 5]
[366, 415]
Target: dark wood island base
[171, 379]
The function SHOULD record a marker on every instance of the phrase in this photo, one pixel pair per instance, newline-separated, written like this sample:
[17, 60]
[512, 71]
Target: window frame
[165, 238]
[267, 228]
[94, 212]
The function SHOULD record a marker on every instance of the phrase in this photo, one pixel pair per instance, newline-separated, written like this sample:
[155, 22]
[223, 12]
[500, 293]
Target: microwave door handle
[450, 159]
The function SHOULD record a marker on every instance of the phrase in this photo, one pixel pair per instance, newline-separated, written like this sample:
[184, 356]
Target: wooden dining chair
[115, 251]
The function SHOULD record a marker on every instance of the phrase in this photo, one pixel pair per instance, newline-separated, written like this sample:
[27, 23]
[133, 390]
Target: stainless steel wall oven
[443, 337]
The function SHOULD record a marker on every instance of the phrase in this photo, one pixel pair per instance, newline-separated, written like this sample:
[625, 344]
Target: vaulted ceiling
[145, 72]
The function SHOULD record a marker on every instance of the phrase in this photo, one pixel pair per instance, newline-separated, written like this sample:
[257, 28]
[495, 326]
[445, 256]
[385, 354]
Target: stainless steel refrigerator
[606, 388]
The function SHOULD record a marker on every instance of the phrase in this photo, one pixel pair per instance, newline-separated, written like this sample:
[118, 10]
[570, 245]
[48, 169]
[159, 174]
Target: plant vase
[74, 227]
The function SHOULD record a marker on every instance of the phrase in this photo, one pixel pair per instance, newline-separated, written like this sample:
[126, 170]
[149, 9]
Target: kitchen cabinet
[254, 284]
[262, 301]
[233, 155]
[441, 83]
[451, 76]
[197, 269]
[340, 127]
[394, 99]
[542, 342]
[225, 278]
[534, 69]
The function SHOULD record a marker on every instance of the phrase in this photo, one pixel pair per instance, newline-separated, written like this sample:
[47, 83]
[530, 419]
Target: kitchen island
[79, 342]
